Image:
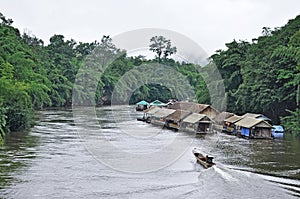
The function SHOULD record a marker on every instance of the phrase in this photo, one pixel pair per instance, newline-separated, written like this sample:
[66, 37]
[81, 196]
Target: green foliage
[263, 76]
[4, 20]
[151, 92]
[3, 120]
[292, 121]
[18, 112]
[162, 47]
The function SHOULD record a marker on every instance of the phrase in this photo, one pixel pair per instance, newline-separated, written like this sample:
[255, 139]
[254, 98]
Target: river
[66, 157]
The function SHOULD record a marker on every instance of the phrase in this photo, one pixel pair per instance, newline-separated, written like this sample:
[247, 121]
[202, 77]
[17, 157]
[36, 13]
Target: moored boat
[205, 161]
[277, 131]
[143, 119]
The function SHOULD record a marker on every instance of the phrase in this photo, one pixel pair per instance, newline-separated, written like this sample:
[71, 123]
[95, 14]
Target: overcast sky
[210, 23]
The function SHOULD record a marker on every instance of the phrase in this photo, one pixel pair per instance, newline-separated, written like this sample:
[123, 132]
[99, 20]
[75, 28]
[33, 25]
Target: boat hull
[201, 159]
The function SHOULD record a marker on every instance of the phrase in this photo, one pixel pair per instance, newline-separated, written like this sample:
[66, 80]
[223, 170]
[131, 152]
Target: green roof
[143, 102]
[157, 103]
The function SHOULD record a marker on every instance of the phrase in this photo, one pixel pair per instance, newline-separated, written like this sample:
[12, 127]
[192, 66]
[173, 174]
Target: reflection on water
[51, 161]
[276, 157]
[17, 152]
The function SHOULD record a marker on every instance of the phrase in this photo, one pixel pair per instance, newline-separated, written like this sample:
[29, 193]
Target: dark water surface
[53, 160]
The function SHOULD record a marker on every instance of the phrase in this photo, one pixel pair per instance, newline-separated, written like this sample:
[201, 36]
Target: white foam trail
[225, 174]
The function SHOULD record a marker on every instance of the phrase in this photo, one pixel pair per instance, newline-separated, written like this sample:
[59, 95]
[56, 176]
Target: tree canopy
[263, 76]
[162, 47]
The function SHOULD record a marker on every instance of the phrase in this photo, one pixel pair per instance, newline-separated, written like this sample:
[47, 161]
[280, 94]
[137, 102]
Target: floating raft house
[142, 105]
[198, 123]
[254, 128]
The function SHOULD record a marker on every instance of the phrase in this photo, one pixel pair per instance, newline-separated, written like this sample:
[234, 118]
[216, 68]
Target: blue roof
[278, 128]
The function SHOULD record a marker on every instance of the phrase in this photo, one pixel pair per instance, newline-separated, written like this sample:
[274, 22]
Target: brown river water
[112, 155]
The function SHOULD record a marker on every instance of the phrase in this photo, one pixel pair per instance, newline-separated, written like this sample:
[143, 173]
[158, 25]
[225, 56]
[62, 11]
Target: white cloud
[210, 23]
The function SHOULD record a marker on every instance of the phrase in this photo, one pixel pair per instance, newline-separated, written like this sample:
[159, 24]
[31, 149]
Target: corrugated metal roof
[233, 119]
[249, 122]
[194, 117]
[164, 112]
[178, 115]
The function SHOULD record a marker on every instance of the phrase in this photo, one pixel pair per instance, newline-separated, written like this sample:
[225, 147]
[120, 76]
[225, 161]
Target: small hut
[148, 113]
[142, 105]
[219, 119]
[186, 106]
[229, 124]
[174, 119]
[195, 108]
[158, 117]
[257, 116]
[197, 123]
[208, 110]
[254, 128]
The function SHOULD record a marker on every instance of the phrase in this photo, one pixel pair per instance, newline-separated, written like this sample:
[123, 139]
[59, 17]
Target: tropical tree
[5, 21]
[162, 47]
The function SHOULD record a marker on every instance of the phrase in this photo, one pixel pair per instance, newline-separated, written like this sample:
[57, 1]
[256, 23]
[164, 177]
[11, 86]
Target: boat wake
[219, 181]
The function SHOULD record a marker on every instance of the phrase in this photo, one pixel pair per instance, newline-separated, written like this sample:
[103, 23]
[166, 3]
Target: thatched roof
[257, 116]
[178, 115]
[202, 107]
[187, 106]
[190, 106]
[249, 122]
[163, 112]
[233, 119]
[222, 116]
[152, 110]
[195, 117]
[254, 115]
